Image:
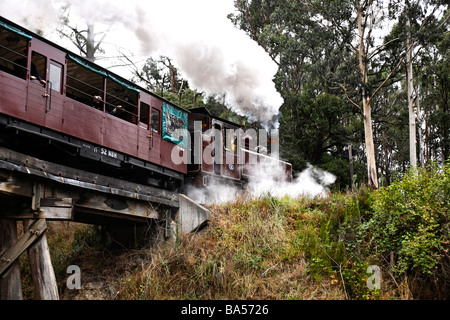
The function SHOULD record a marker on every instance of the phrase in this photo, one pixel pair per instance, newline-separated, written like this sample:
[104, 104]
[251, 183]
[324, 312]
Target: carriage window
[55, 76]
[230, 139]
[144, 115]
[84, 85]
[155, 120]
[119, 95]
[13, 53]
[38, 69]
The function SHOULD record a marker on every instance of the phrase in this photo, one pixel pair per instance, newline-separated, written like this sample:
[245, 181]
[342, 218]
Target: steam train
[57, 106]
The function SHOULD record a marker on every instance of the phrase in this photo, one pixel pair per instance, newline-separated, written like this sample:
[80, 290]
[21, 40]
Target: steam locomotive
[58, 106]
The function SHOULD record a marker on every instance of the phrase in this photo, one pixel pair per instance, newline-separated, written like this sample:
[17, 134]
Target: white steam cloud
[311, 182]
[214, 55]
[36, 15]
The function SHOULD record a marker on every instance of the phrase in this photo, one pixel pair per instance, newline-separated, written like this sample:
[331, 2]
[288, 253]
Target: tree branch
[381, 46]
[349, 99]
[336, 25]
[136, 69]
[386, 80]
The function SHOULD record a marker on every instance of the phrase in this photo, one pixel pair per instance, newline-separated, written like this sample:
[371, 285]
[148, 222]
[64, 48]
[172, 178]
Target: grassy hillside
[271, 248]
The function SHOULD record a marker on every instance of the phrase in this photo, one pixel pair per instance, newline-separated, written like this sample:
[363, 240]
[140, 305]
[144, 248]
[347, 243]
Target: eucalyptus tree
[419, 27]
[329, 44]
[434, 84]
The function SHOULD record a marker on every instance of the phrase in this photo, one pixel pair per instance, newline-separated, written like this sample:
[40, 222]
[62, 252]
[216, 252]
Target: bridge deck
[55, 192]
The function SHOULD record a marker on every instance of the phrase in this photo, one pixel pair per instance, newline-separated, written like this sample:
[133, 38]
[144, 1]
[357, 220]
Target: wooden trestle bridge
[34, 191]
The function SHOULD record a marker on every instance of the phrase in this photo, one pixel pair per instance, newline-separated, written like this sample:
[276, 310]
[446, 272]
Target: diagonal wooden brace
[28, 238]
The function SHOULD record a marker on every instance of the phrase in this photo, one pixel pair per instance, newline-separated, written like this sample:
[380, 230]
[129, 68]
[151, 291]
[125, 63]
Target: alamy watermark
[73, 281]
[206, 146]
[374, 281]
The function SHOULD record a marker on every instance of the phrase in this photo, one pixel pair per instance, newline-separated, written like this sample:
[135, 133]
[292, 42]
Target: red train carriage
[60, 106]
[228, 154]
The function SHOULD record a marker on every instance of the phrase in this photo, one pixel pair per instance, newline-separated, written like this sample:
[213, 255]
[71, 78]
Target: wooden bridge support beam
[10, 285]
[34, 240]
[42, 272]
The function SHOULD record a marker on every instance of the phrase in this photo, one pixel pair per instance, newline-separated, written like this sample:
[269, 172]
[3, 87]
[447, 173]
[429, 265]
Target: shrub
[410, 222]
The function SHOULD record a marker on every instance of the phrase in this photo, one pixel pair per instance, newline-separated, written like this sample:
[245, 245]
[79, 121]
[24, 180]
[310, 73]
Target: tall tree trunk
[350, 160]
[180, 92]
[173, 78]
[196, 94]
[427, 130]
[419, 130]
[173, 74]
[90, 43]
[410, 90]
[368, 131]
[387, 170]
[370, 148]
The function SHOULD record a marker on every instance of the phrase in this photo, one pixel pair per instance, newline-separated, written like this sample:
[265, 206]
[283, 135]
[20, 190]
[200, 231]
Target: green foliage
[187, 98]
[312, 131]
[410, 219]
[342, 235]
[326, 236]
[340, 167]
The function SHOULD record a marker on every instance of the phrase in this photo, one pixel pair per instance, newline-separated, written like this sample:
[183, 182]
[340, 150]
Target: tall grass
[251, 250]
[246, 252]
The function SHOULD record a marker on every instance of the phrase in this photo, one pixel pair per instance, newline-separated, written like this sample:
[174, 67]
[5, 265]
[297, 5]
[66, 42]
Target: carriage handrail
[82, 82]
[82, 92]
[16, 64]
[107, 94]
[105, 102]
[13, 51]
